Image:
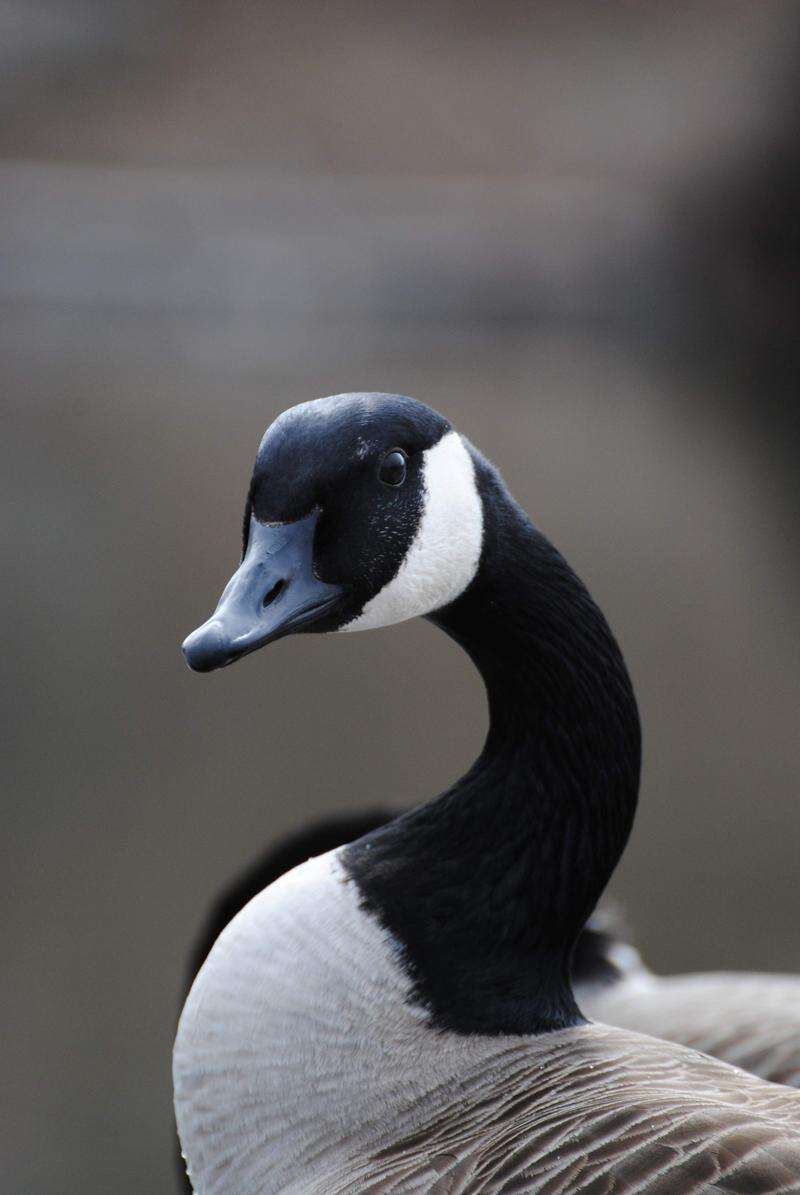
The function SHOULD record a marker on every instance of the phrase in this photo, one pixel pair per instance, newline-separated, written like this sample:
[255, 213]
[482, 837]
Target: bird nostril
[273, 593]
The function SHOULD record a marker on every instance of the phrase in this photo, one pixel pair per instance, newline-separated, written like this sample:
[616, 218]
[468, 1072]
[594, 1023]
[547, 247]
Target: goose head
[363, 510]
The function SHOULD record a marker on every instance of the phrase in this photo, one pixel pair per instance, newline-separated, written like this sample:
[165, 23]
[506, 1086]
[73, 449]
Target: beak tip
[206, 648]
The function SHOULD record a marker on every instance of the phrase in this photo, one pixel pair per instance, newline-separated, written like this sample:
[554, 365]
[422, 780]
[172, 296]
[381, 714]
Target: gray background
[574, 229]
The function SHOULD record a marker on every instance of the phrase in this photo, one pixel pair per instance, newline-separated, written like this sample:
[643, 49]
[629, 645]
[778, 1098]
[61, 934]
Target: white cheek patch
[444, 554]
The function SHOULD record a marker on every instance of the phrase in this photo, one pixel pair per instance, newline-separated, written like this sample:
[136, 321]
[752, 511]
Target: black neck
[488, 886]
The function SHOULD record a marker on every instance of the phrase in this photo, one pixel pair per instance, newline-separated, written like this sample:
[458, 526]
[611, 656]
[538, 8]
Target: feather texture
[750, 1020]
[598, 1111]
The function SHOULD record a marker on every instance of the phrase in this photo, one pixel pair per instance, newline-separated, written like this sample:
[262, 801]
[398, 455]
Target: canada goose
[747, 1018]
[397, 1015]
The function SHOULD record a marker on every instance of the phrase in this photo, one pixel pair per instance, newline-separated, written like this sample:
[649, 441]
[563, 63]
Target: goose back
[750, 1020]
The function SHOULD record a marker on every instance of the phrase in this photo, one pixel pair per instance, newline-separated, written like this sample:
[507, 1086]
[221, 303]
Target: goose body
[751, 1020]
[397, 1015]
[319, 1075]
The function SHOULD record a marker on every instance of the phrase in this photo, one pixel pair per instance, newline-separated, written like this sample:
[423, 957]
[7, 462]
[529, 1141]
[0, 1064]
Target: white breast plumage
[298, 1046]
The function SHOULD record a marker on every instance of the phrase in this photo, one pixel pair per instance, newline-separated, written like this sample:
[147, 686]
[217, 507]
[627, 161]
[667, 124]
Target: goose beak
[272, 593]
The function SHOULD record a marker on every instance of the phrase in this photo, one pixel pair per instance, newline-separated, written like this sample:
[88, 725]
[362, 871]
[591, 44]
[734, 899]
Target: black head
[362, 511]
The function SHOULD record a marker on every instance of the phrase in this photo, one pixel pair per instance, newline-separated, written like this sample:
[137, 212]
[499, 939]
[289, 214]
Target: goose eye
[392, 470]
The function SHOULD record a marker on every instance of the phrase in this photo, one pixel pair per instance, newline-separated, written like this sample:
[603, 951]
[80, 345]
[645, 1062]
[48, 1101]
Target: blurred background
[573, 227]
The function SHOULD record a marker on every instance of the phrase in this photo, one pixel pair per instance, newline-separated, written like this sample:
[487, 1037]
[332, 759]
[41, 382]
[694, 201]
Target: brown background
[574, 229]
